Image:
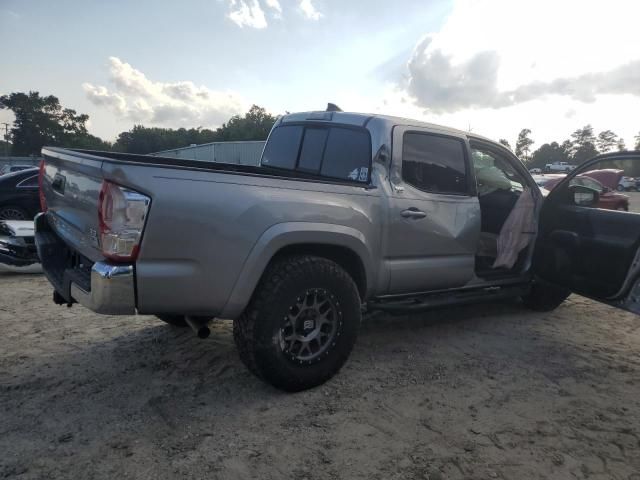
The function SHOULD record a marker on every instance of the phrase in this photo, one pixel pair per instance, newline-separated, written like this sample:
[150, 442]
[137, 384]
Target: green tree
[523, 144]
[621, 145]
[584, 153]
[582, 137]
[606, 141]
[144, 140]
[637, 139]
[5, 147]
[255, 125]
[548, 153]
[43, 121]
[505, 143]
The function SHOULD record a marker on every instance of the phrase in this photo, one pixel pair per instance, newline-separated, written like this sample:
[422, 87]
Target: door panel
[432, 237]
[590, 249]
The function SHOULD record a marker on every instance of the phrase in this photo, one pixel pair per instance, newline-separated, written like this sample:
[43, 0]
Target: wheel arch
[344, 245]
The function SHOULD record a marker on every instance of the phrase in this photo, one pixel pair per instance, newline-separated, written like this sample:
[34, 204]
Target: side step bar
[429, 301]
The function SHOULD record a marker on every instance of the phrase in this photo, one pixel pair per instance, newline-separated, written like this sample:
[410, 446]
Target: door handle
[413, 213]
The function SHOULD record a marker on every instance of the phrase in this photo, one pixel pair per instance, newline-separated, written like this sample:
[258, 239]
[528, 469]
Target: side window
[29, 182]
[434, 163]
[495, 172]
[609, 184]
[281, 150]
[347, 155]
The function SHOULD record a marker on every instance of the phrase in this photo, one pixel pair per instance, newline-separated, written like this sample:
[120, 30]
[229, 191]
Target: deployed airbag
[517, 232]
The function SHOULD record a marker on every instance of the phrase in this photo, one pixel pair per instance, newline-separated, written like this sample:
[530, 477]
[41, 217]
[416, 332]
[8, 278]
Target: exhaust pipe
[199, 325]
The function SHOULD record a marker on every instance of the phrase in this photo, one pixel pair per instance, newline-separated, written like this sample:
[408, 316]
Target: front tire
[9, 212]
[544, 297]
[301, 323]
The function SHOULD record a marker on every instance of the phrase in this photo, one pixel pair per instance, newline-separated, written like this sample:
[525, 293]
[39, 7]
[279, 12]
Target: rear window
[282, 148]
[333, 152]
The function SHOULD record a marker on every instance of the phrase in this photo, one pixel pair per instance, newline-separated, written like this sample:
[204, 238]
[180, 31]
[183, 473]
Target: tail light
[121, 215]
[43, 201]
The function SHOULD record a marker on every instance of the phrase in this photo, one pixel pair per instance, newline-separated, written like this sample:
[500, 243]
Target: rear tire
[620, 188]
[175, 320]
[544, 297]
[301, 323]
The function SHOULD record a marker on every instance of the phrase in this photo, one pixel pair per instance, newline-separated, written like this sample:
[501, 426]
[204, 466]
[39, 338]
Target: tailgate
[71, 186]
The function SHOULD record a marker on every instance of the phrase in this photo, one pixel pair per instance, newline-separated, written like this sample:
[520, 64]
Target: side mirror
[583, 196]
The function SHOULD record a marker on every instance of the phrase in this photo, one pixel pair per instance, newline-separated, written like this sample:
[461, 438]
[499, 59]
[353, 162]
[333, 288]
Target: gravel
[489, 391]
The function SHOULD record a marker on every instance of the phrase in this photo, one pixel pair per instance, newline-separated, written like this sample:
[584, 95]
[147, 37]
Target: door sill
[419, 303]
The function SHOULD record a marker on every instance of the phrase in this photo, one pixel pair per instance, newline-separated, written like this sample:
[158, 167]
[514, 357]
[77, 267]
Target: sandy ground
[486, 391]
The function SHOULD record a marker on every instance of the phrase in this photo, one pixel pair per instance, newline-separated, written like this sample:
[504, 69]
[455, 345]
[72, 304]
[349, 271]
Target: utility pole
[6, 139]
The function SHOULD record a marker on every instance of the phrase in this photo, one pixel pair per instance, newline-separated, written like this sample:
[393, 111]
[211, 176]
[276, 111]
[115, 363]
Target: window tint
[347, 155]
[282, 148]
[29, 182]
[433, 163]
[333, 152]
[312, 149]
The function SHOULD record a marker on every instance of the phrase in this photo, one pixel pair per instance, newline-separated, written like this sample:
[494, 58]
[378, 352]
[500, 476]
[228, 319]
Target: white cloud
[247, 13]
[309, 10]
[137, 98]
[274, 5]
[253, 13]
[517, 63]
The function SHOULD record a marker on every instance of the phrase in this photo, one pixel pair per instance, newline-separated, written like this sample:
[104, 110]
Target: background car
[17, 247]
[19, 199]
[628, 184]
[13, 168]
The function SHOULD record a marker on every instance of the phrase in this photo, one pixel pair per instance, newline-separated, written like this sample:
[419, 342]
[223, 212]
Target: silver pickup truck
[347, 213]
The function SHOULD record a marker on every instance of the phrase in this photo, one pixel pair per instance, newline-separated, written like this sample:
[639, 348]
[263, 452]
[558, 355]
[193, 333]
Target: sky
[489, 66]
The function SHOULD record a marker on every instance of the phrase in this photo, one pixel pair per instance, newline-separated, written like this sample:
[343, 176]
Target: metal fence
[243, 153]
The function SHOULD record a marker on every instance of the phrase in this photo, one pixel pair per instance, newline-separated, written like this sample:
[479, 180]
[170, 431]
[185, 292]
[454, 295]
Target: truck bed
[211, 228]
[169, 162]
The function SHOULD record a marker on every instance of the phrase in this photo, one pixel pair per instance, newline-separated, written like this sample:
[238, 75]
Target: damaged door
[583, 243]
[434, 215]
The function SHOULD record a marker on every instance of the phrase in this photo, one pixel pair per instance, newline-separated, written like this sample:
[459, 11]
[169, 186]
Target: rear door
[434, 215]
[591, 250]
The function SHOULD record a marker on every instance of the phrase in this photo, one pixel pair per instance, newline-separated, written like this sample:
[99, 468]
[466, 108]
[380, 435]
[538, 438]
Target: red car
[600, 180]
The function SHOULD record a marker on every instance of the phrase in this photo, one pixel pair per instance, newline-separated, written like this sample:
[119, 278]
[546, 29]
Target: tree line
[42, 120]
[582, 145]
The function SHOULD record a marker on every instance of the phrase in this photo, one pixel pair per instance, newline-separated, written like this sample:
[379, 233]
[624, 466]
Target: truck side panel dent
[283, 235]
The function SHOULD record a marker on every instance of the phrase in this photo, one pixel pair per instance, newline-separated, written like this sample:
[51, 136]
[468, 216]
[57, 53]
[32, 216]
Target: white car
[559, 167]
[535, 171]
[629, 184]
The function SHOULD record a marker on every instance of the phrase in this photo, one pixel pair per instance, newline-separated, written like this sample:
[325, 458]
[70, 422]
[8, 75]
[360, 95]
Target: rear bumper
[112, 290]
[101, 286]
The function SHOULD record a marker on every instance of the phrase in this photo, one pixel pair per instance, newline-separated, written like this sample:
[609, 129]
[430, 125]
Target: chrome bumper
[112, 290]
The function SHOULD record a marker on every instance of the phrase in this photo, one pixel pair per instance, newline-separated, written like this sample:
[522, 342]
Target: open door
[589, 232]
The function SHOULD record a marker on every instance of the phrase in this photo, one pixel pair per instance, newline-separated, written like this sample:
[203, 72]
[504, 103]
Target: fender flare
[282, 235]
